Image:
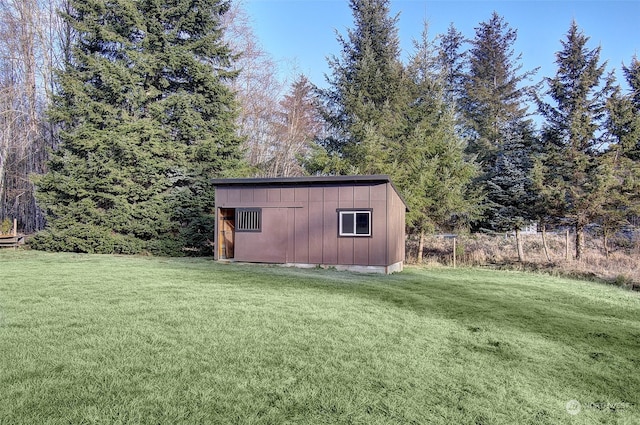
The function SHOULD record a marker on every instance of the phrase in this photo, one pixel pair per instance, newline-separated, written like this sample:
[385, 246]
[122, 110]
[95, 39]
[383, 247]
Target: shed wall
[396, 222]
[300, 224]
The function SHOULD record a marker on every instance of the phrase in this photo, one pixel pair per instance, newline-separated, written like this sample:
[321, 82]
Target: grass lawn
[88, 339]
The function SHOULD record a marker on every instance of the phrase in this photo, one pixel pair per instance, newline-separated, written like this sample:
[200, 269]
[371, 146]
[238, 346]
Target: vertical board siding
[246, 194]
[361, 196]
[378, 250]
[316, 225]
[345, 245]
[260, 194]
[289, 230]
[233, 195]
[300, 224]
[361, 251]
[330, 225]
[379, 247]
[345, 251]
[287, 194]
[396, 227]
[362, 246]
[301, 235]
[222, 194]
[273, 195]
[268, 246]
[345, 197]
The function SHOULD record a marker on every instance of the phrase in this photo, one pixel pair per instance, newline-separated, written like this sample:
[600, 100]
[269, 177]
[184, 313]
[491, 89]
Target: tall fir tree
[452, 60]
[632, 75]
[509, 185]
[493, 104]
[574, 160]
[432, 169]
[623, 122]
[364, 103]
[494, 90]
[623, 154]
[146, 121]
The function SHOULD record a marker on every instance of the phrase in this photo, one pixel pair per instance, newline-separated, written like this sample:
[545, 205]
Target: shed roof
[309, 181]
[302, 181]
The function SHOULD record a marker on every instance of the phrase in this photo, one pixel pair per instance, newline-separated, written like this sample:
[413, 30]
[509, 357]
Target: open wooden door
[227, 233]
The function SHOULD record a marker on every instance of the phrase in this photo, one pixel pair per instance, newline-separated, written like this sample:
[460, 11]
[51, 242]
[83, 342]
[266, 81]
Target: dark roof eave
[267, 181]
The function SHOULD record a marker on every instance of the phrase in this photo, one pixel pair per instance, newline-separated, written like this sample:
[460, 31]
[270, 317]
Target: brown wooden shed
[348, 222]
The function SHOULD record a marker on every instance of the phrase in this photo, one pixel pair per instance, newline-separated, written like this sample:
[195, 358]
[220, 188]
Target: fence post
[566, 245]
[454, 252]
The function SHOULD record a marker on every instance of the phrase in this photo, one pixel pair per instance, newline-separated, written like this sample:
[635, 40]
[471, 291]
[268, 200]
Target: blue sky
[301, 34]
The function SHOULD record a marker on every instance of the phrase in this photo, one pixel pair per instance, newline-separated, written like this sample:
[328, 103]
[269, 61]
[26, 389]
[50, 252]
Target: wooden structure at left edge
[12, 240]
[347, 222]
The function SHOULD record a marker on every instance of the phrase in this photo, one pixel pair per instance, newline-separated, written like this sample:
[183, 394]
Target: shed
[348, 222]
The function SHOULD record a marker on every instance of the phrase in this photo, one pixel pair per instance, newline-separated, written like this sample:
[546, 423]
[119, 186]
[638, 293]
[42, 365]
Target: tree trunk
[605, 237]
[544, 242]
[519, 246]
[579, 242]
[420, 247]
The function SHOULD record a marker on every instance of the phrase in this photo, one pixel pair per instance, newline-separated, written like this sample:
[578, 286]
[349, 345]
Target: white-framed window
[354, 222]
[248, 220]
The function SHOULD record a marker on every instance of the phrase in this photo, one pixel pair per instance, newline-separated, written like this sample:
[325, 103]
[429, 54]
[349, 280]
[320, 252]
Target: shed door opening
[226, 238]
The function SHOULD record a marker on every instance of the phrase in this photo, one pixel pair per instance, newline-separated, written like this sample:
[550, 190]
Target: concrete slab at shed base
[393, 268]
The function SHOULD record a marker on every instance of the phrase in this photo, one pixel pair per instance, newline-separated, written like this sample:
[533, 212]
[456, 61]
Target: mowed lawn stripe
[142, 340]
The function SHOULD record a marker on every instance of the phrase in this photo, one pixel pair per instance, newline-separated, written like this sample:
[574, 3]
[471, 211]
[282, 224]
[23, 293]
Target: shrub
[623, 280]
[87, 239]
[6, 227]
[171, 247]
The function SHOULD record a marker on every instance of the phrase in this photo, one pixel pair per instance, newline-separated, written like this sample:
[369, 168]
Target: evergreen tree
[146, 121]
[493, 107]
[363, 105]
[623, 154]
[432, 170]
[452, 60]
[509, 186]
[494, 92]
[632, 75]
[548, 203]
[624, 114]
[574, 161]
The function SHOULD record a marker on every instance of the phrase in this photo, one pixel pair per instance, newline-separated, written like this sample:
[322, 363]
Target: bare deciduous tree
[259, 91]
[30, 43]
[299, 125]
[278, 128]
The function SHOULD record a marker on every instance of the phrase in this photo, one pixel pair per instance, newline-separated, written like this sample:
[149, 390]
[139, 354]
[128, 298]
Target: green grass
[87, 339]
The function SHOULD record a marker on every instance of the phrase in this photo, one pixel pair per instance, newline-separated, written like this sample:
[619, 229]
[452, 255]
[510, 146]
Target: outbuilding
[348, 222]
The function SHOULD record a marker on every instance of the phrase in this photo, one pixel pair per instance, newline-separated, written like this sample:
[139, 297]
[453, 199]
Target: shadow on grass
[562, 310]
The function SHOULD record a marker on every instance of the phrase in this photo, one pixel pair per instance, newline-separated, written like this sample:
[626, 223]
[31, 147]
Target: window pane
[347, 223]
[362, 223]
